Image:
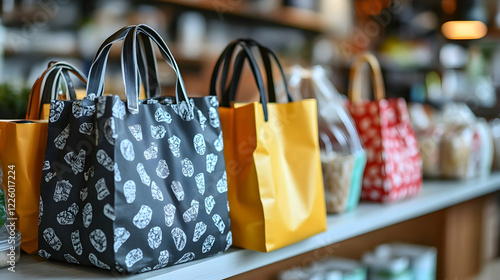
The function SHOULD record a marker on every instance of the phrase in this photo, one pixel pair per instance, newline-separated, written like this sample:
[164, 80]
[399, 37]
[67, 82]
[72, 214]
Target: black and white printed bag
[133, 186]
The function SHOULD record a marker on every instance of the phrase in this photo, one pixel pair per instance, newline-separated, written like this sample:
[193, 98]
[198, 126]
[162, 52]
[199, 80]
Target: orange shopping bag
[275, 185]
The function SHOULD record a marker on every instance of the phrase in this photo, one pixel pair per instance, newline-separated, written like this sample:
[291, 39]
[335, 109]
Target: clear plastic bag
[342, 154]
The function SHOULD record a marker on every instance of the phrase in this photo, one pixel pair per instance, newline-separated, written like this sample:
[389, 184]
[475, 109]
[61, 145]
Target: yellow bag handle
[355, 79]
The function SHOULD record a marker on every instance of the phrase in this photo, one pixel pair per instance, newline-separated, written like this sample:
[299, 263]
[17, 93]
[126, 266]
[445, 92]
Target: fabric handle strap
[355, 78]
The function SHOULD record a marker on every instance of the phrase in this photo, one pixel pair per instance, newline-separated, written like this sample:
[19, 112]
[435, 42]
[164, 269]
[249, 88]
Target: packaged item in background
[454, 143]
[423, 259]
[343, 157]
[394, 167]
[346, 269]
[495, 132]
[329, 269]
[272, 154]
[382, 265]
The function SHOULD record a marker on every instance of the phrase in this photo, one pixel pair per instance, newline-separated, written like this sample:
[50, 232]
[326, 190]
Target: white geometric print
[118, 109]
[162, 169]
[69, 258]
[62, 190]
[199, 144]
[133, 257]
[143, 217]
[121, 235]
[214, 117]
[174, 144]
[51, 238]
[84, 193]
[209, 204]
[200, 182]
[56, 108]
[93, 259]
[109, 211]
[178, 190]
[129, 191]
[81, 111]
[199, 230]
[87, 215]
[229, 240]
[67, 217]
[162, 259]
[156, 192]
[86, 128]
[145, 179]
[127, 149]
[211, 162]
[158, 131]
[98, 240]
[102, 190]
[179, 238]
[219, 223]
[186, 258]
[219, 143]
[154, 237]
[162, 116]
[110, 131]
[77, 162]
[207, 244]
[169, 210]
[151, 152]
[203, 120]
[89, 173]
[192, 213]
[136, 131]
[76, 242]
[104, 160]
[60, 140]
[222, 184]
[118, 176]
[187, 167]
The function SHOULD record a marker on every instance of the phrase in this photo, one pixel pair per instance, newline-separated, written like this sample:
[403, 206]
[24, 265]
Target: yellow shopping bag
[275, 185]
[22, 149]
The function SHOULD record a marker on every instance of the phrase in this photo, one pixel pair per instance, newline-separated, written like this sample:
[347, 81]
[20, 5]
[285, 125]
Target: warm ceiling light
[464, 30]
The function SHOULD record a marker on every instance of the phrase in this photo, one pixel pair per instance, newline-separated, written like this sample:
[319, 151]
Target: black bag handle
[147, 62]
[225, 58]
[266, 53]
[96, 74]
[129, 66]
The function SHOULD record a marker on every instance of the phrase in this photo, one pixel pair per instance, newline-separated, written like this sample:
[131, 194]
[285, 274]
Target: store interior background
[418, 62]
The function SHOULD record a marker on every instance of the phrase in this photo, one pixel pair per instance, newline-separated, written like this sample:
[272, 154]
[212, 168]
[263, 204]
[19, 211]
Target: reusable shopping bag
[275, 185]
[138, 185]
[22, 148]
[394, 167]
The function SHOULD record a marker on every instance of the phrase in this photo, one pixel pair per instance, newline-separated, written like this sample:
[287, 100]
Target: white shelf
[367, 217]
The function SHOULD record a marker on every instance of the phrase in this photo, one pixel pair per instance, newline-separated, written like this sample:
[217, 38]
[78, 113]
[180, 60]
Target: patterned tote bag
[137, 185]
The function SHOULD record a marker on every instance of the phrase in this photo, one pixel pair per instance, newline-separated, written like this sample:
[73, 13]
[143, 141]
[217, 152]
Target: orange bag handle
[354, 77]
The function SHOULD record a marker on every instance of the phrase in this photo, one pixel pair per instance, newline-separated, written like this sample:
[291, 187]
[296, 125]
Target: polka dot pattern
[394, 167]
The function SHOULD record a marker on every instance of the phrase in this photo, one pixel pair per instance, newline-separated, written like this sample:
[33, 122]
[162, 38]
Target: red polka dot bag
[394, 167]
